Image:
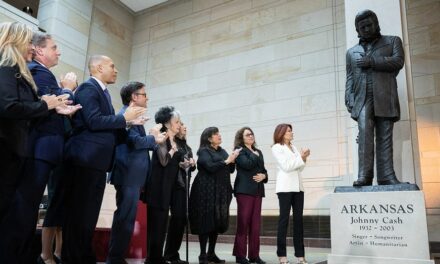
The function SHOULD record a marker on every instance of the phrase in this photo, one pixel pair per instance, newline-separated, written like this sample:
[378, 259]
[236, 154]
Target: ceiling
[139, 5]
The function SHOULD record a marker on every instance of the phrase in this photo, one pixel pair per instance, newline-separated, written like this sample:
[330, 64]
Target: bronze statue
[371, 97]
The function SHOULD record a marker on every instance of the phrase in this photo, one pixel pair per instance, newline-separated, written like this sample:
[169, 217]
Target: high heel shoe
[57, 259]
[284, 260]
[40, 260]
[257, 260]
[241, 260]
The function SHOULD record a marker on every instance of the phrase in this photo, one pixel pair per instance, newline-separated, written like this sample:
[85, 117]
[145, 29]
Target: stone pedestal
[379, 227]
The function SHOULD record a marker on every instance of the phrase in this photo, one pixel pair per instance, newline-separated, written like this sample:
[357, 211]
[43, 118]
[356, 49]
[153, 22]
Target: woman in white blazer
[290, 190]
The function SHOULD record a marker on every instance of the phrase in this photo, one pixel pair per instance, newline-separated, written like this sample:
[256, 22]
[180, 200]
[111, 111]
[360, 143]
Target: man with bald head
[90, 151]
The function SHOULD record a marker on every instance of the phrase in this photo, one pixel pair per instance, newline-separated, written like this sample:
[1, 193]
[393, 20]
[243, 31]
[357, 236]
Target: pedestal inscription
[384, 225]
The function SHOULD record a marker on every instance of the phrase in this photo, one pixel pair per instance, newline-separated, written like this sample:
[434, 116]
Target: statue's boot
[388, 181]
[363, 181]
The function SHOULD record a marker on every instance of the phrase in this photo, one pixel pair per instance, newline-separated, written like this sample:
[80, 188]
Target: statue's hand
[349, 104]
[364, 62]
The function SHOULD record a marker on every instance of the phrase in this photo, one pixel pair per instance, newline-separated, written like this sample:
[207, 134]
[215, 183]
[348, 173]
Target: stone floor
[267, 253]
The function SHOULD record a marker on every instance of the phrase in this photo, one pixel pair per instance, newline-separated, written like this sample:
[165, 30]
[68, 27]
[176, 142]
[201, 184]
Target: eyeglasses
[248, 135]
[144, 94]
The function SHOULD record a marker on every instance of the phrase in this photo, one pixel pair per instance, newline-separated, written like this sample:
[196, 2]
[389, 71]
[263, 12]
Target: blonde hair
[14, 40]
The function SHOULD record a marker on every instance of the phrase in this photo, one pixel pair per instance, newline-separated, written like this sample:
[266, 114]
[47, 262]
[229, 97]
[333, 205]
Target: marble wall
[69, 25]
[110, 34]
[253, 63]
[424, 40]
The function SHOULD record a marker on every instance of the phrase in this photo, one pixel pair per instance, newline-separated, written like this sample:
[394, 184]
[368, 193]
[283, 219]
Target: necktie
[107, 95]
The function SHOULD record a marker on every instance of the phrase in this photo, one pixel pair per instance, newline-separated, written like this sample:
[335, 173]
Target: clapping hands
[305, 153]
[69, 81]
[134, 115]
[54, 101]
[159, 137]
[61, 104]
[231, 158]
[68, 109]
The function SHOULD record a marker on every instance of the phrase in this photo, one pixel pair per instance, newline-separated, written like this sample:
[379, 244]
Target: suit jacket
[95, 129]
[289, 167]
[49, 131]
[387, 60]
[132, 158]
[248, 165]
[19, 107]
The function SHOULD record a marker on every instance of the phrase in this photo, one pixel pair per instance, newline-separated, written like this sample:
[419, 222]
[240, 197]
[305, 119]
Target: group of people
[68, 136]
[55, 133]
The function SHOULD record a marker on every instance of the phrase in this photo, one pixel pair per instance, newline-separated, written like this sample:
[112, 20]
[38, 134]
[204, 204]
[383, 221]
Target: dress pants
[18, 229]
[83, 202]
[176, 226]
[11, 169]
[248, 225]
[294, 200]
[157, 219]
[367, 124]
[123, 222]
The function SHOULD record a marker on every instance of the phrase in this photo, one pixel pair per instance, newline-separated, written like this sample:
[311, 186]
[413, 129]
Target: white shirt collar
[100, 83]
[41, 64]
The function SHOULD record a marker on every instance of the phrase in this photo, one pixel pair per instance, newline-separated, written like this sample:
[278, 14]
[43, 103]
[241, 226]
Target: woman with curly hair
[211, 193]
[161, 187]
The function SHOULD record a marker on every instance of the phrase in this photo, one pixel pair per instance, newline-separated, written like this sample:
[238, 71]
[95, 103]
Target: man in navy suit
[47, 146]
[50, 135]
[90, 152]
[130, 172]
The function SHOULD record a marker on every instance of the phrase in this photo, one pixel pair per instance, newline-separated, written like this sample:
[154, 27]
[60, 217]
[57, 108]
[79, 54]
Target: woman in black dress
[211, 193]
[161, 185]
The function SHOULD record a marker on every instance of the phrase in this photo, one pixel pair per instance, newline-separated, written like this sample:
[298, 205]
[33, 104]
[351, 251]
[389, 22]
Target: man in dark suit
[371, 97]
[49, 142]
[90, 151]
[130, 173]
[47, 146]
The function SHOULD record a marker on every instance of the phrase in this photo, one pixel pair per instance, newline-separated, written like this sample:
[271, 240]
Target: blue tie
[107, 95]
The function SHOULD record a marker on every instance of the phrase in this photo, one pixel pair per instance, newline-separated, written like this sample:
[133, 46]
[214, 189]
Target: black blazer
[19, 108]
[95, 129]
[248, 165]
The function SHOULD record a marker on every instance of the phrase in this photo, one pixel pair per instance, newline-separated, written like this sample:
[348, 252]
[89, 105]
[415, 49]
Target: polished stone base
[378, 188]
[379, 227]
[344, 259]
